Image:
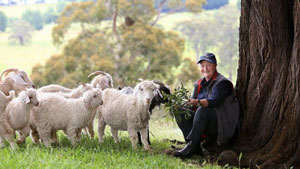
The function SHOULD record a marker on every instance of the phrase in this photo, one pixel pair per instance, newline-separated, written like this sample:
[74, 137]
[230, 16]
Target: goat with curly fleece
[101, 78]
[70, 115]
[17, 80]
[6, 132]
[53, 88]
[18, 112]
[127, 112]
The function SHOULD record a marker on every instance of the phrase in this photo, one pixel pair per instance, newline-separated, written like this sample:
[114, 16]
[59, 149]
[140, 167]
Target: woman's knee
[202, 112]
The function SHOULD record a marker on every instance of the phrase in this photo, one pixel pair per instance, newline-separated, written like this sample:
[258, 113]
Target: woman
[216, 112]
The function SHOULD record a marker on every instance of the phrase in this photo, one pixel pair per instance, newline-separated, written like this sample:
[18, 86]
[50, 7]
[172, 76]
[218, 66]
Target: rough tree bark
[268, 84]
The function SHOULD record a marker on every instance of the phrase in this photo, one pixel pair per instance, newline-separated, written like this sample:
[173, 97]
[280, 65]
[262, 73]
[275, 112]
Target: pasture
[88, 153]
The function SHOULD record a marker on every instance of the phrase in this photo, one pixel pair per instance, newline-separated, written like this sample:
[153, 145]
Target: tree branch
[173, 10]
[159, 11]
[114, 24]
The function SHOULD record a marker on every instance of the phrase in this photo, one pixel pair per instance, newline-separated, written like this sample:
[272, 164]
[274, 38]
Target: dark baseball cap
[210, 57]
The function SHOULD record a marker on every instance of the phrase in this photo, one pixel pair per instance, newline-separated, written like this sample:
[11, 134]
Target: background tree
[187, 74]
[119, 37]
[60, 6]
[226, 39]
[3, 22]
[268, 84]
[49, 16]
[34, 17]
[21, 32]
[216, 33]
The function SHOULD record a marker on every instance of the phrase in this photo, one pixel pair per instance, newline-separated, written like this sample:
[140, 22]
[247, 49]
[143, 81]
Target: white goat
[53, 88]
[60, 90]
[127, 112]
[73, 94]
[103, 79]
[71, 115]
[126, 90]
[6, 132]
[18, 112]
[17, 81]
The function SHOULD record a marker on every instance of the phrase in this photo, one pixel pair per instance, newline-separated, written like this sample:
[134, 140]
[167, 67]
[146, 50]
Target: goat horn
[80, 83]
[140, 79]
[5, 72]
[97, 73]
[158, 82]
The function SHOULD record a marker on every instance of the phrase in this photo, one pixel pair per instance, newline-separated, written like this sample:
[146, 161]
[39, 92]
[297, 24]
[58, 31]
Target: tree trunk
[21, 40]
[268, 83]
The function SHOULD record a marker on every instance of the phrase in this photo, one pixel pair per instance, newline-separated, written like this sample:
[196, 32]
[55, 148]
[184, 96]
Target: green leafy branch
[176, 103]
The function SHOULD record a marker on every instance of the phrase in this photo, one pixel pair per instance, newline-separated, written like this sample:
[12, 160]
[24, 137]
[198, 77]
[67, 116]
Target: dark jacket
[227, 108]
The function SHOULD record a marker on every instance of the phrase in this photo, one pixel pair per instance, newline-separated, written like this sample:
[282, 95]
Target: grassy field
[90, 154]
[25, 57]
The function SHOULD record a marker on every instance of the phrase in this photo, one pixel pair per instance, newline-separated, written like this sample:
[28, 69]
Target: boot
[189, 150]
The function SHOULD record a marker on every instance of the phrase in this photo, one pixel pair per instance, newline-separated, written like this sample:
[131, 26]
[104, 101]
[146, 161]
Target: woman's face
[207, 69]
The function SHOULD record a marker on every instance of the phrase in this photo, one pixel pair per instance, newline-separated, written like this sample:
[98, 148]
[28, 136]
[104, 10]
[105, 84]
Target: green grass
[90, 154]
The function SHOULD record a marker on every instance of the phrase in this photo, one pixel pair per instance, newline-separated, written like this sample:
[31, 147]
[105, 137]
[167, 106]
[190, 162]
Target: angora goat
[18, 112]
[157, 100]
[103, 79]
[127, 112]
[6, 132]
[71, 115]
[17, 81]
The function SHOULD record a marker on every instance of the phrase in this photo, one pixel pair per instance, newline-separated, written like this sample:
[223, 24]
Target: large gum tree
[268, 84]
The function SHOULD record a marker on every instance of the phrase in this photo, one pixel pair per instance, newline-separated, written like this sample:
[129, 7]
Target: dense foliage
[217, 33]
[34, 17]
[176, 102]
[119, 37]
[21, 32]
[50, 16]
[3, 21]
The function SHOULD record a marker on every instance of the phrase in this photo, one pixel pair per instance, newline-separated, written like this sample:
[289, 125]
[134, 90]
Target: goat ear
[98, 86]
[26, 100]
[12, 94]
[106, 82]
[17, 80]
[159, 93]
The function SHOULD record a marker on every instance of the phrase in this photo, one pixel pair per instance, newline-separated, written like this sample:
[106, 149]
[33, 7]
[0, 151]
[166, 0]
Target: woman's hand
[203, 103]
[195, 102]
